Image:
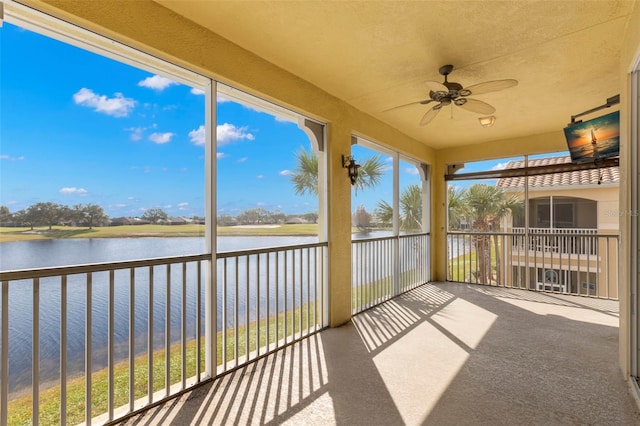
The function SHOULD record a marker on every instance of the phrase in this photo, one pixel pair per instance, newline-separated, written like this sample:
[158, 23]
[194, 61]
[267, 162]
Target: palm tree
[305, 176]
[487, 205]
[457, 207]
[410, 209]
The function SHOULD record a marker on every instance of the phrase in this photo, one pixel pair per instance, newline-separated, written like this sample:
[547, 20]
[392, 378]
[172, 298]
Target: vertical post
[396, 224]
[150, 338]
[63, 351]
[87, 351]
[110, 334]
[167, 333]
[4, 355]
[35, 339]
[132, 338]
[527, 241]
[211, 288]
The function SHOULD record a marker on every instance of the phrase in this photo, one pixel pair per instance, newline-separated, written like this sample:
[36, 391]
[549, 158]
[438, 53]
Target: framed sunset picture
[595, 139]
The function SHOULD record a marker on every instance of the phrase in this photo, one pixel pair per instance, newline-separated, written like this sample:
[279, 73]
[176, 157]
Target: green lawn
[127, 231]
[20, 408]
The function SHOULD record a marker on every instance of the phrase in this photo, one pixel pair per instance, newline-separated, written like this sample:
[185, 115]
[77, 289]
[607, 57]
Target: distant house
[569, 212]
[128, 221]
[177, 221]
[118, 221]
[295, 220]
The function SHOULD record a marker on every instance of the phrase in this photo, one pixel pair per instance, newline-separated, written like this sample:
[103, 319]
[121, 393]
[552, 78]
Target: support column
[339, 225]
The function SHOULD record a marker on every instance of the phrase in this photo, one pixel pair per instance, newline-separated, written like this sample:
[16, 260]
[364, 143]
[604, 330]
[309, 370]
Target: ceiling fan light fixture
[487, 121]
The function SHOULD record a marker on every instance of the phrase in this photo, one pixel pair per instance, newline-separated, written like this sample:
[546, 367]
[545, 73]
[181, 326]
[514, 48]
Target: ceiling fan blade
[424, 102]
[475, 105]
[430, 115]
[489, 86]
[435, 86]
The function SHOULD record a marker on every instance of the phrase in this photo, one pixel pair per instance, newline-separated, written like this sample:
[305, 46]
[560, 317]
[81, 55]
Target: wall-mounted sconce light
[352, 168]
[487, 121]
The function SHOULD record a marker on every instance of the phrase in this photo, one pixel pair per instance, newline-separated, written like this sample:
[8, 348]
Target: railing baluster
[198, 313]
[4, 355]
[277, 290]
[294, 291]
[258, 260]
[225, 324]
[88, 351]
[235, 313]
[300, 266]
[268, 297]
[183, 327]
[63, 351]
[132, 337]
[150, 387]
[110, 333]
[167, 334]
[308, 288]
[286, 301]
[246, 307]
[35, 357]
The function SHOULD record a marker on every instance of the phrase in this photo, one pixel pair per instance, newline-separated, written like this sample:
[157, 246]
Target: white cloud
[156, 82]
[73, 190]
[161, 138]
[131, 198]
[499, 166]
[9, 158]
[286, 173]
[183, 204]
[118, 106]
[242, 160]
[197, 136]
[195, 91]
[260, 176]
[228, 133]
[120, 206]
[136, 132]
[413, 171]
[220, 155]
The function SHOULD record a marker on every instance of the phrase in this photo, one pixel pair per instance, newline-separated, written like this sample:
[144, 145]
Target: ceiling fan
[448, 92]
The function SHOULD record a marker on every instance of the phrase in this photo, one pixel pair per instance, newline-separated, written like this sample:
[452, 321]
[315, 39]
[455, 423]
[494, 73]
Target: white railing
[570, 263]
[101, 341]
[269, 298]
[566, 241]
[385, 267]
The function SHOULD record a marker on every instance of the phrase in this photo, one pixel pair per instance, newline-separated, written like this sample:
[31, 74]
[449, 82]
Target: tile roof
[610, 175]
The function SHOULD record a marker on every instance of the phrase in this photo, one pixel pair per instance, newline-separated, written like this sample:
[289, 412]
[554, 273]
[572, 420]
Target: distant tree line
[49, 214]
[90, 215]
[260, 216]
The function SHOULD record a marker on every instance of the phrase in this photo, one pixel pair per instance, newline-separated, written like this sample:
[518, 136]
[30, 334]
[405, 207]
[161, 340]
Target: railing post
[4, 355]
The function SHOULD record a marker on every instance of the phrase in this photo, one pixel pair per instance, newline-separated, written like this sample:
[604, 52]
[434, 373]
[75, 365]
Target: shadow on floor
[440, 354]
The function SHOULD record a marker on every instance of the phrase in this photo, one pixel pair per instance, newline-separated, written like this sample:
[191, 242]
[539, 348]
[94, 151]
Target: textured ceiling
[378, 55]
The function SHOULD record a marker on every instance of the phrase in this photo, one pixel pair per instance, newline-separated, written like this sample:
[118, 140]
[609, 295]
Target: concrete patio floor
[442, 354]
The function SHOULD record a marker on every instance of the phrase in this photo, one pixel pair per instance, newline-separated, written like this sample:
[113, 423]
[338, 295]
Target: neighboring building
[570, 216]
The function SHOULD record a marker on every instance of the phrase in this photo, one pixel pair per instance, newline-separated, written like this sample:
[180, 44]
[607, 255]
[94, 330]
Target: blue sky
[79, 128]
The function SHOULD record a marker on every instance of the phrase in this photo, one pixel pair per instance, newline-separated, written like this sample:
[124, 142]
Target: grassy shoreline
[8, 234]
